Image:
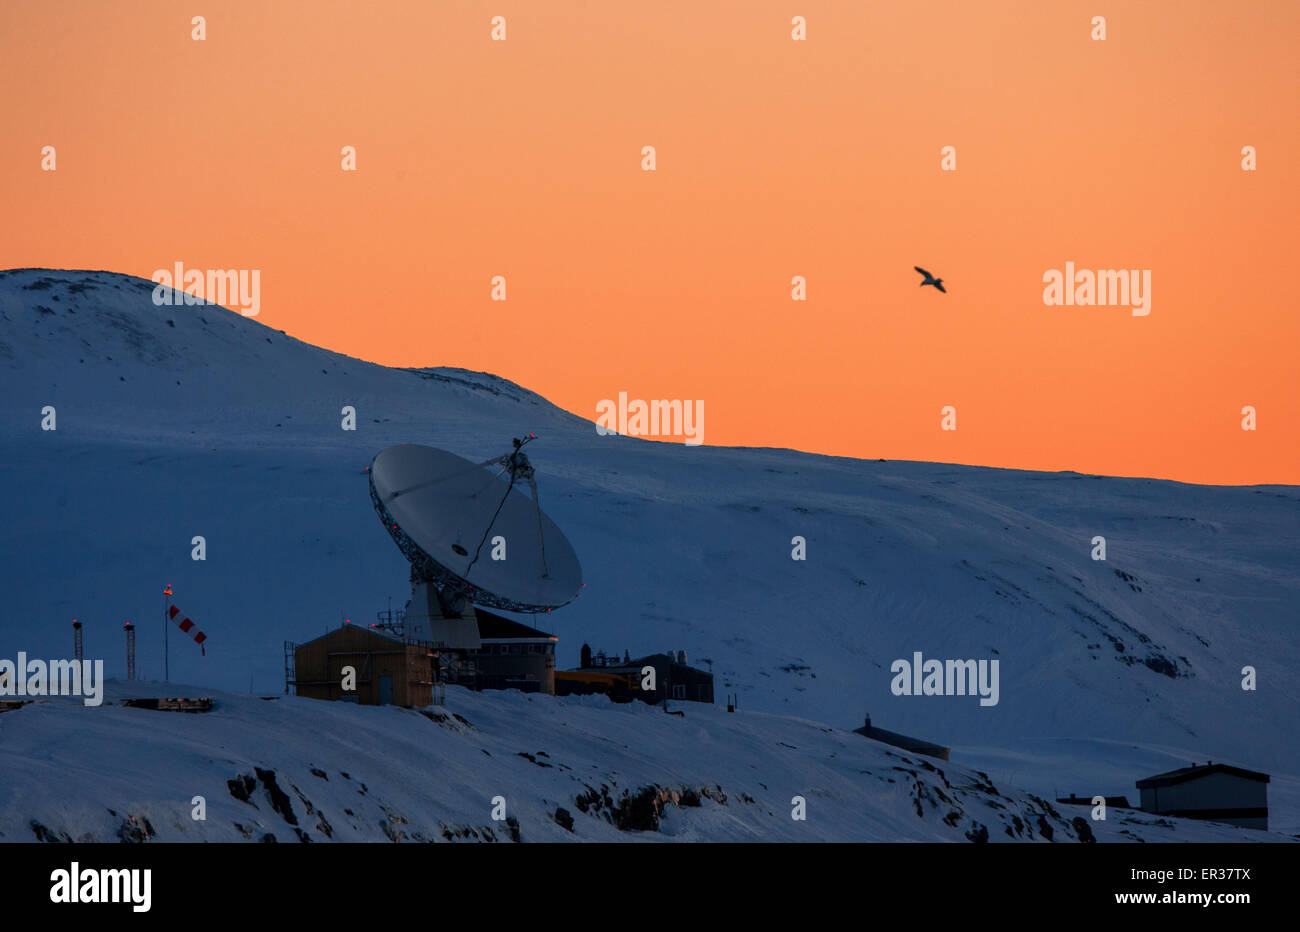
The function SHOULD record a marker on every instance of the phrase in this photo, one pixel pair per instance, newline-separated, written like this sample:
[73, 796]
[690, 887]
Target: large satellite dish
[445, 512]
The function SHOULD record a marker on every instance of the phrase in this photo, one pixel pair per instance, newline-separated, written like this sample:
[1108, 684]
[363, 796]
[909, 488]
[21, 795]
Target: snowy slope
[303, 770]
[183, 421]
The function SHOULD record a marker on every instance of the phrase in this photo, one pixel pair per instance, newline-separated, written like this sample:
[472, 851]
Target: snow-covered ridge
[583, 769]
[181, 421]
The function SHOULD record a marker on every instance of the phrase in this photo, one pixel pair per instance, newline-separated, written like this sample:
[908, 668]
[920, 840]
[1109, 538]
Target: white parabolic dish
[442, 510]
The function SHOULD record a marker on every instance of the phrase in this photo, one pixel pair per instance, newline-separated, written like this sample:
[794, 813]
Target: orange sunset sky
[775, 158]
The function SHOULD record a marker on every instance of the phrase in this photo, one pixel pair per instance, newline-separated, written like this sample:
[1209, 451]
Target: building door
[385, 690]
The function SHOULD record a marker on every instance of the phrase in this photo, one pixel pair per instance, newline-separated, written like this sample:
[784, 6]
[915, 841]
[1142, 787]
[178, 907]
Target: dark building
[674, 678]
[1215, 792]
[513, 655]
[906, 742]
[622, 679]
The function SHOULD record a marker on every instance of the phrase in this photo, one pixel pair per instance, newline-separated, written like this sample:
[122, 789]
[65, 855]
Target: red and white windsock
[188, 627]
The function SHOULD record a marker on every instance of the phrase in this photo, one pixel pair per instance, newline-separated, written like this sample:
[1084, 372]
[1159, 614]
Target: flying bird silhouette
[930, 279]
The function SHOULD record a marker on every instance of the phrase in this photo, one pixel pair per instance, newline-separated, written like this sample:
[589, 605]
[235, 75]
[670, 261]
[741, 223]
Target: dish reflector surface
[444, 512]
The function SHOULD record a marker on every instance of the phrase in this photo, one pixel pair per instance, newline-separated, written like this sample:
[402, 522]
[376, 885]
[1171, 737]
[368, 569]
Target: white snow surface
[359, 773]
[180, 421]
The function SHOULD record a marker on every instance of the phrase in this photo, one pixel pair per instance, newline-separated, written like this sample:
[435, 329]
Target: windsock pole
[167, 596]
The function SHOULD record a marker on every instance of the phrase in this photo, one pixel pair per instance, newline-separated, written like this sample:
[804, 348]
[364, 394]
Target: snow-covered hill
[576, 769]
[174, 422]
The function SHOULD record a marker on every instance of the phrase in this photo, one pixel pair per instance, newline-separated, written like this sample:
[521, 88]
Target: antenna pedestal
[447, 622]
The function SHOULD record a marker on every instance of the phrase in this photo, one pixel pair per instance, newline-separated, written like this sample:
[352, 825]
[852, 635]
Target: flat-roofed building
[906, 742]
[674, 678]
[1214, 792]
[513, 655]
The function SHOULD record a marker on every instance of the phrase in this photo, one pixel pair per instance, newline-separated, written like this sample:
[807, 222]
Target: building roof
[366, 629]
[1195, 772]
[907, 742]
[1114, 802]
[661, 656]
[494, 627]
[637, 663]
